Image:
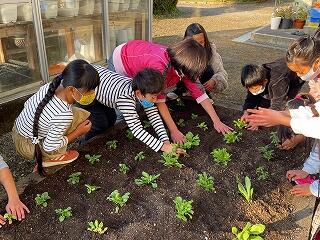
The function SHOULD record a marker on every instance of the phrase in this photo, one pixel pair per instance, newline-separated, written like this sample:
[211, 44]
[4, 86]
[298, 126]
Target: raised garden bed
[150, 213]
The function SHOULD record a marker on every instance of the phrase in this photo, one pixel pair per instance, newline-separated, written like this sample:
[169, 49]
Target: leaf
[257, 229]
[234, 230]
[255, 238]
[248, 184]
[246, 235]
[61, 218]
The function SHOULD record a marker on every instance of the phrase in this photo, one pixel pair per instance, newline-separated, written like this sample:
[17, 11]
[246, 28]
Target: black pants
[206, 76]
[102, 118]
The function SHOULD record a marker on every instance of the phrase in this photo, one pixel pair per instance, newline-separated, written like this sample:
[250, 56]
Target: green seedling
[181, 123]
[147, 124]
[240, 124]
[191, 141]
[91, 188]
[203, 126]
[221, 156]
[9, 217]
[274, 139]
[232, 137]
[123, 168]
[113, 144]
[116, 198]
[41, 199]
[266, 152]
[183, 208]
[146, 179]
[64, 213]
[129, 134]
[171, 160]
[92, 159]
[246, 191]
[180, 102]
[194, 116]
[170, 110]
[140, 156]
[74, 178]
[205, 181]
[249, 232]
[96, 227]
[262, 173]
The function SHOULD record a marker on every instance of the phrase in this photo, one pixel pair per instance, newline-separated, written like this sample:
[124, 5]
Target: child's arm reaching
[14, 206]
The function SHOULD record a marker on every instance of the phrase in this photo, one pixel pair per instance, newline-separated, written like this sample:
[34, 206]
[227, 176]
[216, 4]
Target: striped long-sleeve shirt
[115, 91]
[55, 119]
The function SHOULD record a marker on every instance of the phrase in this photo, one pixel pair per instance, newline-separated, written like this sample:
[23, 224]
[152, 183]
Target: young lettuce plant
[91, 188]
[9, 217]
[64, 213]
[146, 179]
[129, 134]
[118, 199]
[266, 152]
[194, 116]
[191, 141]
[140, 156]
[232, 137]
[206, 182]
[180, 102]
[262, 173]
[92, 158]
[246, 191]
[239, 124]
[41, 199]
[112, 144]
[249, 232]
[183, 208]
[221, 156]
[96, 227]
[123, 168]
[181, 123]
[74, 178]
[203, 126]
[146, 124]
[171, 160]
[274, 139]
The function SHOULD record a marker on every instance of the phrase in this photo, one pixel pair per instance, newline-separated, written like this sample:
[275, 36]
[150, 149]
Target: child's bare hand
[244, 116]
[2, 221]
[17, 208]
[222, 128]
[301, 190]
[84, 127]
[296, 174]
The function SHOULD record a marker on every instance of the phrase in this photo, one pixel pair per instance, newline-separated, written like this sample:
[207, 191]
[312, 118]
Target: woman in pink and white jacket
[184, 61]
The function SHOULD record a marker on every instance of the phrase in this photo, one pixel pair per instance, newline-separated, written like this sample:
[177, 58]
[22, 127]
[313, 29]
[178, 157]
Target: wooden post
[2, 52]
[30, 50]
[69, 42]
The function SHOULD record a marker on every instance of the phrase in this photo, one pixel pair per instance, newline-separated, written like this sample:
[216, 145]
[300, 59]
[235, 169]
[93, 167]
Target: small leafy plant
[274, 139]
[91, 188]
[118, 199]
[147, 124]
[240, 124]
[92, 158]
[41, 199]
[262, 173]
[74, 178]
[246, 191]
[205, 181]
[249, 232]
[9, 217]
[64, 213]
[129, 134]
[146, 179]
[191, 140]
[266, 152]
[96, 227]
[203, 126]
[140, 156]
[194, 116]
[112, 144]
[123, 168]
[221, 156]
[181, 123]
[180, 102]
[183, 208]
[171, 160]
[232, 137]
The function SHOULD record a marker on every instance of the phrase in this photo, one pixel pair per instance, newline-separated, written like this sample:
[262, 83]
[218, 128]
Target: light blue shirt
[2, 163]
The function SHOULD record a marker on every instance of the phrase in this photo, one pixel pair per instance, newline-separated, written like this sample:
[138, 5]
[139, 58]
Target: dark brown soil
[150, 213]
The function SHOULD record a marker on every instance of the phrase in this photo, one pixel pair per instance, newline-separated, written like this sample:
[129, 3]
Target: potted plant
[286, 14]
[300, 17]
[275, 19]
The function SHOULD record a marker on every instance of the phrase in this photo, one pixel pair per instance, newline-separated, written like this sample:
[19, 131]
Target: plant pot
[86, 7]
[275, 22]
[49, 9]
[113, 6]
[134, 4]
[299, 24]
[24, 12]
[8, 12]
[286, 23]
[20, 42]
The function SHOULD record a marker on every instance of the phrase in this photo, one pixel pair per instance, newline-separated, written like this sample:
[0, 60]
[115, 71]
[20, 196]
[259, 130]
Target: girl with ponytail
[48, 121]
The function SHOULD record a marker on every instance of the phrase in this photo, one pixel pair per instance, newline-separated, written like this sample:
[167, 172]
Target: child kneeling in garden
[48, 122]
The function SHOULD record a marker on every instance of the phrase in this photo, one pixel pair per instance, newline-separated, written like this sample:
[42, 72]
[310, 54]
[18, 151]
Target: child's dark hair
[78, 74]
[306, 49]
[148, 80]
[196, 28]
[189, 57]
[252, 75]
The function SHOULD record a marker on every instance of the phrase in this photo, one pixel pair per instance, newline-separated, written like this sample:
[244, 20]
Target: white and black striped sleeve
[156, 122]
[127, 106]
[55, 138]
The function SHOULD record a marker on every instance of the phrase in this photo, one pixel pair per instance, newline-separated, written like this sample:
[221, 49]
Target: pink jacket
[135, 55]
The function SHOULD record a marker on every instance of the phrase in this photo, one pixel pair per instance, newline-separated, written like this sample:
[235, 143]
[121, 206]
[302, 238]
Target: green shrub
[163, 7]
